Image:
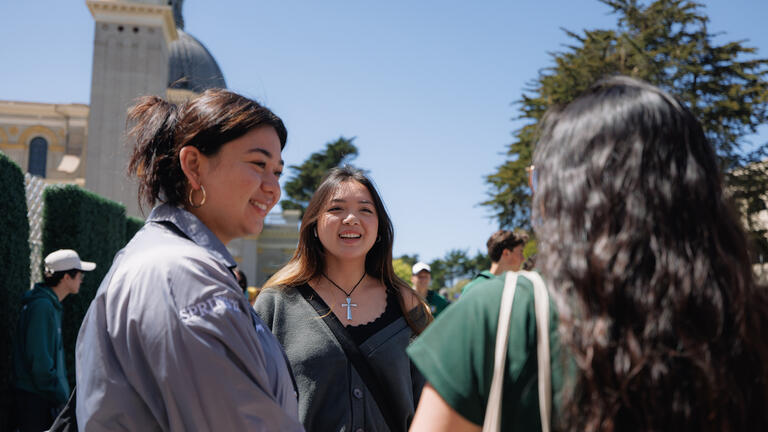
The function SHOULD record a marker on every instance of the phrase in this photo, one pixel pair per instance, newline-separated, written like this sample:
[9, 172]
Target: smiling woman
[343, 316]
[170, 342]
[242, 183]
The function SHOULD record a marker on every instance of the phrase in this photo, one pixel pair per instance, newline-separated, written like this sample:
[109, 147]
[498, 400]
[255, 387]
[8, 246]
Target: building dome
[191, 65]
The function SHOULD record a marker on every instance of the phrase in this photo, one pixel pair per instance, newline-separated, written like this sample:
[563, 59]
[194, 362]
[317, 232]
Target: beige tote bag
[492, 421]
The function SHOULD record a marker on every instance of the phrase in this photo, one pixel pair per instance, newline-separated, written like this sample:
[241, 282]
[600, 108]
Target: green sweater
[38, 352]
[332, 395]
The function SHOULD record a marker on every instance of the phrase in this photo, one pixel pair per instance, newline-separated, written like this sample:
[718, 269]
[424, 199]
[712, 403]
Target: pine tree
[666, 43]
[307, 176]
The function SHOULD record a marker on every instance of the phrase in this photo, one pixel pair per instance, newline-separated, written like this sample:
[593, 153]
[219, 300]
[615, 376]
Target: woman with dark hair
[170, 342]
[343, 316]
[649, 266]
[660, 319]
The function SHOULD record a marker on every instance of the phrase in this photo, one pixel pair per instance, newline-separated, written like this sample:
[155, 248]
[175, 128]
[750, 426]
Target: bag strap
[492, 421]
[66, 421]
[353, 353]
[541, 308]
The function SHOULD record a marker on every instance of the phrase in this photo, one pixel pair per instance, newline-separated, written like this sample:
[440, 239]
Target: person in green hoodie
[39, 372]
[421, 276]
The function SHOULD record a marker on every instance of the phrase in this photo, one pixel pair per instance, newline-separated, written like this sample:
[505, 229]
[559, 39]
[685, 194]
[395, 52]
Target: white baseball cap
[66, 259]
[419, 266]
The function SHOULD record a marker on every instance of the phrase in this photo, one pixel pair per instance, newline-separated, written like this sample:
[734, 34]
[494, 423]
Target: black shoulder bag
[353, 354]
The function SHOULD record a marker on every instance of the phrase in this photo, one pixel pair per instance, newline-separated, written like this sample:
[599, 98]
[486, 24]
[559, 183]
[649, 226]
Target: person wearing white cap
[421, 277]
[39, 372]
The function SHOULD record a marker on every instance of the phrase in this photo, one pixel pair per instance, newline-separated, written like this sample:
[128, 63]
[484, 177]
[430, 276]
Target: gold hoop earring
[192, 202]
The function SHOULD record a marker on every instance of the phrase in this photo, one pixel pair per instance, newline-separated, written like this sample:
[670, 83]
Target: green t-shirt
[436, 302]
[455, 354]
[480, 278]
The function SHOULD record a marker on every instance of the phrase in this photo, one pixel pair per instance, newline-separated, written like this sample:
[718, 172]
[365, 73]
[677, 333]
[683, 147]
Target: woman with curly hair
[650, 266]
[649, 269]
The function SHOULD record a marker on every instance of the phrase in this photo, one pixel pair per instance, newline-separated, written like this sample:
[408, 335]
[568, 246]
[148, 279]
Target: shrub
[14, 278]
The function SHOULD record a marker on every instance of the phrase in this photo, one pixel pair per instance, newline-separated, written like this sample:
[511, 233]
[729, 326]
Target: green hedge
[96, 228]
[14, 277]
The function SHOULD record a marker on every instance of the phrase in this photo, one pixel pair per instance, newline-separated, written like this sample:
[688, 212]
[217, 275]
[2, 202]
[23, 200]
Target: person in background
[170, 342]
[252, 292]
[650, 271]
[343, 315]
[445, 294]
[505, 249]
[39, 371]
[242, 280]
[421, 277]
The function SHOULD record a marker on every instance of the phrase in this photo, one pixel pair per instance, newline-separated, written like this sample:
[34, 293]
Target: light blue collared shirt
[170, 343]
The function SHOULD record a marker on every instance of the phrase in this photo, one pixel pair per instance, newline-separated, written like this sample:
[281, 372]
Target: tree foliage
[455, 266]
[410, 260]
[402, 269]
[666, 43]
[307, 177]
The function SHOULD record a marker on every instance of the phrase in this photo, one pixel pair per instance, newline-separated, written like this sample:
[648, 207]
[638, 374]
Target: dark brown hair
[308, 261]
[503, 239]
[649, 268]
[207, 122]
[56, 277]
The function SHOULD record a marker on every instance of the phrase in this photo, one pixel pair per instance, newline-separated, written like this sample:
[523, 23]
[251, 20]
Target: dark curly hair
[56, 277]
[650, 268]
[161, 129]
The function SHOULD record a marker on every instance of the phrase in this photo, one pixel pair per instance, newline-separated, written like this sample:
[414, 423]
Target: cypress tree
[667, 43]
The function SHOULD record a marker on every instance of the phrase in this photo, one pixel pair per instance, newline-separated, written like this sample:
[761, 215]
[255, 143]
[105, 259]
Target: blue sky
[426, 87]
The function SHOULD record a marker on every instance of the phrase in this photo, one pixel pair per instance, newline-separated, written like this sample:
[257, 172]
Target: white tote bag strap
[492, 421]
[541, 307]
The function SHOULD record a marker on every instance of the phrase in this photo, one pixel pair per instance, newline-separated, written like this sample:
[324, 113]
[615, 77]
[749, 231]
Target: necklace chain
[342, 289]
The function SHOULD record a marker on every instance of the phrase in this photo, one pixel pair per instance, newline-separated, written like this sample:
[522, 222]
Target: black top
[360, 333]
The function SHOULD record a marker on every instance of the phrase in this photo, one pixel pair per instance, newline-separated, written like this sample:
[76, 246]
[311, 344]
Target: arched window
[38, 156]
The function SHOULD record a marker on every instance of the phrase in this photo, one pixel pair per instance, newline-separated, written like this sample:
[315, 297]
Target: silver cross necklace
[349, 305]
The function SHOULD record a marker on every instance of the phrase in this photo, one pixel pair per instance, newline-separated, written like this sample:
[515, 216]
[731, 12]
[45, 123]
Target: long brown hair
[650, 268]
[207, 122]
[308, 261]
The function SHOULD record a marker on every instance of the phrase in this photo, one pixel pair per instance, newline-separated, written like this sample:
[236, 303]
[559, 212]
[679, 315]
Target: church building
[140, 48]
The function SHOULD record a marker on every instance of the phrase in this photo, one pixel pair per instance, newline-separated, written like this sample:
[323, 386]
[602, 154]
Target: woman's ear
[192, 163]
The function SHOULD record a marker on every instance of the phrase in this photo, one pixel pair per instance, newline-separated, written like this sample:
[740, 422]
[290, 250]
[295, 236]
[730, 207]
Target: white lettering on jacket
[216, 305]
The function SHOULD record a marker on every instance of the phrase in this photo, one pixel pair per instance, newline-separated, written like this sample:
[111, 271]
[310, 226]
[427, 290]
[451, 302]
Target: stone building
[46, 140]
[140, 48]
